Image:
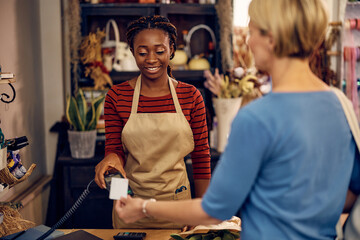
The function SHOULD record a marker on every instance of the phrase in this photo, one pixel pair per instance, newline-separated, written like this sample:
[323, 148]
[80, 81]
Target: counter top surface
[107, 234]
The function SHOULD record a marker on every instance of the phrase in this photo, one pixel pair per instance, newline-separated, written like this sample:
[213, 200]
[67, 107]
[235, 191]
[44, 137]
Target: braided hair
[153, 22]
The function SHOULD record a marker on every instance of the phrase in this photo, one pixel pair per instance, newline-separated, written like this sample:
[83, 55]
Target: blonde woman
[290, 157]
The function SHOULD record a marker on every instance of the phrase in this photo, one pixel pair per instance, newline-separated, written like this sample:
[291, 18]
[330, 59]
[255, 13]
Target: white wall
[30, 47]
[51, 60]
[241, 17]
[20, 53]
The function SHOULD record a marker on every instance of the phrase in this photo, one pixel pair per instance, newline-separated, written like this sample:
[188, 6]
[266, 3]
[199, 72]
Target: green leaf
[82, 106]
[228, 236]
[73, 115]
[235, 234]
[208, 236]
[69, 118]
[79, 115]
[90, 118]
[93, 115]
[176, 236]
[196, 237]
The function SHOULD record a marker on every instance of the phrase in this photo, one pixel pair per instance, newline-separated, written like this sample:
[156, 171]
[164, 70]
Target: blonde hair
[297, 26]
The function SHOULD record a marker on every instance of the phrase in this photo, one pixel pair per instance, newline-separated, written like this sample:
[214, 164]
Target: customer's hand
[129, 209]
[110, 164]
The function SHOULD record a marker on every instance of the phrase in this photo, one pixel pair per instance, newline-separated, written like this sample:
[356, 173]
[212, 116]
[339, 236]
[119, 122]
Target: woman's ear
[271, 42]
[172, 51]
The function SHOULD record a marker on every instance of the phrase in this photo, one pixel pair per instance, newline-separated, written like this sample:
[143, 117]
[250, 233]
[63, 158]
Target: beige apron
[155, 145]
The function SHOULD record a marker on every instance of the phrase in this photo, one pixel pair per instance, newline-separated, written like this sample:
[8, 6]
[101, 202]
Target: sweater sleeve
[113, 126]
[232, 182]
[201, 154]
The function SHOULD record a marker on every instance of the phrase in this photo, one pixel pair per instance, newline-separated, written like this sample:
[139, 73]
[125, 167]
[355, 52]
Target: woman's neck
[155, 84]
[294, 75]
[155, 88]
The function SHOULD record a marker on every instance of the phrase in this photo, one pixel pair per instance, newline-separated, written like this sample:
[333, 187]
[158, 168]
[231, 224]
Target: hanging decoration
[320, 60]
[73, 18]
[224, 11]
[91, 58]
[9, 78]
[349, 67]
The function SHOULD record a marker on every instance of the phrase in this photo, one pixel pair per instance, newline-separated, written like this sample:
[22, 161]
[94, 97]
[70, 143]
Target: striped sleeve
[117, 110]
[201, 154]
[117, 101]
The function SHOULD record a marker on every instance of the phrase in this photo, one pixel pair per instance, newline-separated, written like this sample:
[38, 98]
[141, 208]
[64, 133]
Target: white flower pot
[82, 143]
[225, 110]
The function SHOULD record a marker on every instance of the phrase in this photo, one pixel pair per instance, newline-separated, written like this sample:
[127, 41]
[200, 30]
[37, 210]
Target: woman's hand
[213, 82]
[129, 209]
[111, 163]
[188, 212]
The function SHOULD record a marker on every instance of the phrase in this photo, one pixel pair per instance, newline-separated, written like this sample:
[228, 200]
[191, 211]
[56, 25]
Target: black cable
[68, 214]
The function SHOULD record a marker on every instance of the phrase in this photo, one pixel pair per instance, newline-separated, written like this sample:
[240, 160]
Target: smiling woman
[152, 53]
[152, 122]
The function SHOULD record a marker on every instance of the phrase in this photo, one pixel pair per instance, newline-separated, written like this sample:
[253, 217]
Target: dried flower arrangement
[91, 57]
[237, 83]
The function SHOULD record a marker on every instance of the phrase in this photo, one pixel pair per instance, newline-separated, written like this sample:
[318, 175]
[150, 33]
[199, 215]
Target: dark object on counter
[80, 234]
[33, 233]
[130, 236]
[16, 143]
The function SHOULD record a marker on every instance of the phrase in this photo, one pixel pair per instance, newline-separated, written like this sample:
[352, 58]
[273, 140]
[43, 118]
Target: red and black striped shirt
[117, 110]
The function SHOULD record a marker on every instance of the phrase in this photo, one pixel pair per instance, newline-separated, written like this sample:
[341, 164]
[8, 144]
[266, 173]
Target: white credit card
[118, 188]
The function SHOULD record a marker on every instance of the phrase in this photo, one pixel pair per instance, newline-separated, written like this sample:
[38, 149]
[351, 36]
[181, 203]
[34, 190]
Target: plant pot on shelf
[225, 110]
[83, 119]
[82, 143]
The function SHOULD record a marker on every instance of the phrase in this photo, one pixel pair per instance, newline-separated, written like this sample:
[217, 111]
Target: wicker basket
[9, 179]
[13, 221]
[3, 157]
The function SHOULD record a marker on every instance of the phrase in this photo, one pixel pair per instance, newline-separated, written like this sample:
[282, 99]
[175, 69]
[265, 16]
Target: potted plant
[83, 120]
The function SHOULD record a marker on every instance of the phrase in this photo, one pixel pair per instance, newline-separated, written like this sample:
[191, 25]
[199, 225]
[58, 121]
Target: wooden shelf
[183, 15]
[131, 11]
[194, 77]
[147, 5]
[3, 193]
[7, 80]
[353, 3]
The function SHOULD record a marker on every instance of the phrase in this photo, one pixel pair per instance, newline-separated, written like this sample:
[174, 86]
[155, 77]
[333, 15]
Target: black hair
[153, 22]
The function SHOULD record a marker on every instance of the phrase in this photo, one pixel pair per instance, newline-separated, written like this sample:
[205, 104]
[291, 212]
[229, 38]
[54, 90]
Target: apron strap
[174, 96]
[136, 96]
[135, 102]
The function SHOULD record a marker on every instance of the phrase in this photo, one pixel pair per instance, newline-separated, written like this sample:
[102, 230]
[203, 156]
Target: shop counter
[107, 234]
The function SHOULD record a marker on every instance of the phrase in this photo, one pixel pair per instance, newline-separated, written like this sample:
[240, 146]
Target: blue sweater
[287, 166]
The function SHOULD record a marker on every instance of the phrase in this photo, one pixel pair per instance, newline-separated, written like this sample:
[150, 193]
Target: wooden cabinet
[75, 175]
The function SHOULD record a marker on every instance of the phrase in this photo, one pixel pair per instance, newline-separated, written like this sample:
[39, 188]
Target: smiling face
[152, 53]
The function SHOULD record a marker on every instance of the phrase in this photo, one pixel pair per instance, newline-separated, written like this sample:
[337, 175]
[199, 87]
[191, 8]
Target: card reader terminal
[108, 178]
